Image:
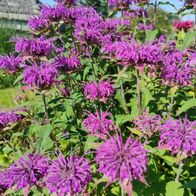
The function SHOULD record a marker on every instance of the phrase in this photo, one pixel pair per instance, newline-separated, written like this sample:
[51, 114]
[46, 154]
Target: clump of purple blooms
[179, 136]
[150, 53]
[142, 26]
[10, 63]
[68, 175]
[54, 14]
[123, 51]
[132, 53]
[37, 23]
[99, 91]
[175, 71]
[68, 64]
[9, 117]
[35, 46]
[88, 29]
[41, 77]
[29, 170]
[112, 24]
[99, 123]
[148, 124]
[122, 161]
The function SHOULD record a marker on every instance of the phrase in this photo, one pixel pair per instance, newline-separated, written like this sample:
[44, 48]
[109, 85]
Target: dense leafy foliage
[113, 105]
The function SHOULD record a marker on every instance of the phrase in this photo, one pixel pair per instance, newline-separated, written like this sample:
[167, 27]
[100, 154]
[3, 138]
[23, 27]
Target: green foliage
[151, 35]
[191, 103]
[174, 189]
[186, 40]
[44, 141]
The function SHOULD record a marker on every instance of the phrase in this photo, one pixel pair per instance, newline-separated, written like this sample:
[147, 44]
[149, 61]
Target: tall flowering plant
[112, 106]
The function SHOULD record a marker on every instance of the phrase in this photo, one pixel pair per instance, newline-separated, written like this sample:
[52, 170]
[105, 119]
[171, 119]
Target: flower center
[67, 173]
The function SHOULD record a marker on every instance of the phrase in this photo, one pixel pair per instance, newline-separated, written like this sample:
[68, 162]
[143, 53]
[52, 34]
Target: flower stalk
[46, 115]
[139, 92]
[179, 171]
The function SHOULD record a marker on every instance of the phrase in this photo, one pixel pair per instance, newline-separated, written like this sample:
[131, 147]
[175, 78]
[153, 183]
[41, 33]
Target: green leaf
[86, 72]
[120, 119]
[135, 131]
[150, 35]
[115, 190]
[69, 108]
[181, 35]
[90, 143]
[146, 97]
[173, 91]
[4, 159]
[186, 106]
[189, 40]
[158, 152]
[118, 97]
[134, 107]
[191, 184]
[174, 189]
[170, 159]
[34, 128]
[44, 142]
[18, 79]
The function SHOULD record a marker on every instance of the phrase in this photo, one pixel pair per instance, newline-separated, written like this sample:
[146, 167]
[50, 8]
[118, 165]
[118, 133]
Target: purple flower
[55, 14]
[9, 117]
[178, 136]
[35, 46]
[100, 91]
[136, 13]
[142, 26]
[91, 90]
[3, 185]
[123, 51]
[10, 63]
[131, 53]
[150, 53]
[105, 90]
[68, 175]
[88, 29]
[120, 3]
[81, 12]
[192, 60]
[112, 24]
[175, 71]
[37, 23]
[88, 24]
[27, 171]
[68, 64]
[162, 39]
[148, 124]
[99, 124]
[43, 76]
[122, 161]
